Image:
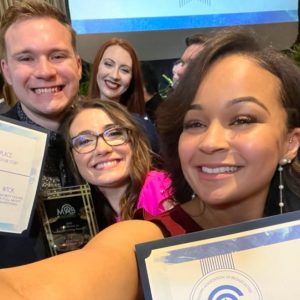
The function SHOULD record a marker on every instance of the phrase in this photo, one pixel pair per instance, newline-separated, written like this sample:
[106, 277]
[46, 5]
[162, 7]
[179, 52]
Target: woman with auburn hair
[106, 148]
[131, 93]
[116, 76]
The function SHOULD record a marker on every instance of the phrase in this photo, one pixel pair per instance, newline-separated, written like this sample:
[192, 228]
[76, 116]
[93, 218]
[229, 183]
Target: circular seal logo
[226, 285]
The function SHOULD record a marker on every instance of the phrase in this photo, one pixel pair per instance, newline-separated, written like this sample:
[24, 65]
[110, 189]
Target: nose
[181, 69]
[102, 147]
[44, 69]
[115, 74]
[214, 139]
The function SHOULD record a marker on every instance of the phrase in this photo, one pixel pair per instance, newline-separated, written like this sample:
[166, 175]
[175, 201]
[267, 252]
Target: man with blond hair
[40, 62]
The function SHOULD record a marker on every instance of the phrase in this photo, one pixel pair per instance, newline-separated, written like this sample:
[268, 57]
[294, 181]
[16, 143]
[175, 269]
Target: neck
[117, 99]
[114, 195]
[48, 122]
[212, 216]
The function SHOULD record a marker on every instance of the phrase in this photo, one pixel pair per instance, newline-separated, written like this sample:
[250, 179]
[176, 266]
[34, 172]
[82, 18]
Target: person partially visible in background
[194, 45]
[150, 86]
[116, 75]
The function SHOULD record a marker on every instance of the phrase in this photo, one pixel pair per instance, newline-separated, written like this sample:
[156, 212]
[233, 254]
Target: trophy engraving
[68, 217]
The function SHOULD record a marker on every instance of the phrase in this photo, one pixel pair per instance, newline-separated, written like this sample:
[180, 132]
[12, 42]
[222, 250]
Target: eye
[57, 56]
[243, 120]
[25, 58]
[193, 125]
[83, 140]
[114, 133]
[108, 63]
[125, 70]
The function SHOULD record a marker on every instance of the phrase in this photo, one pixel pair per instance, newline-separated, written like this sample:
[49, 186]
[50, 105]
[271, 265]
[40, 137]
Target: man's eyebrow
[233, 102]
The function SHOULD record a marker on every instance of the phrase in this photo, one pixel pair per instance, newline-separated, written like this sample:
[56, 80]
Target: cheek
[99, 77]
[262, 151]
[185, 148]
[128, 154]
[81, 162]
[126, 82]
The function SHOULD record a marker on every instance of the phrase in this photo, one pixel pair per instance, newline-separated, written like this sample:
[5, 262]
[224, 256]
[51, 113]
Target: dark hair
[172, 111]
[150, 79]
[140, 161]
[197, 38]
[133, 98]
[29, 9]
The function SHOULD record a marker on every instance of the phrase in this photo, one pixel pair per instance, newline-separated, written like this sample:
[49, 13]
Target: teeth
[106, 164]
[47, 90]
[219, 170]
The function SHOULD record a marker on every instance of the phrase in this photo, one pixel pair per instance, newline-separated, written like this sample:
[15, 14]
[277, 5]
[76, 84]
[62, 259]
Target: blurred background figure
[194, 44]
[150, 86]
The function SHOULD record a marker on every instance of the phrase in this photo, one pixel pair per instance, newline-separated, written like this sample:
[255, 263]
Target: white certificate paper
[22, 150]
[258, 260]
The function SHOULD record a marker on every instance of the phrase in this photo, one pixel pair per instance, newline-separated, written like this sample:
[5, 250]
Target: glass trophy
[68, 217]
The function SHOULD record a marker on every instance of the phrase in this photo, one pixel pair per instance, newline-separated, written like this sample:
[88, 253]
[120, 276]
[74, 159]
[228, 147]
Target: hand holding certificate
[22, 150]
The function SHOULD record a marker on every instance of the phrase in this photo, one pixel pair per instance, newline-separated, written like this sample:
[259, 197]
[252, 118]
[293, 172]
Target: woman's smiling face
[106, 166]
[114, 73]
[234, 133]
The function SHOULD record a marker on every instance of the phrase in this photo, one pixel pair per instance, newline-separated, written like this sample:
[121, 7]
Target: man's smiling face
[42, 67]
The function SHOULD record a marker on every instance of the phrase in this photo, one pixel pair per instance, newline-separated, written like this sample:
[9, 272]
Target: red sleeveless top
[172, 222]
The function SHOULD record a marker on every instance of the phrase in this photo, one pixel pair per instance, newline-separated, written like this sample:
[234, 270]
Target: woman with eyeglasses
[107, 149]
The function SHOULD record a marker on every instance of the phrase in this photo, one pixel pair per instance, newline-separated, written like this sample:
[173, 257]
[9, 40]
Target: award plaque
[68, 217]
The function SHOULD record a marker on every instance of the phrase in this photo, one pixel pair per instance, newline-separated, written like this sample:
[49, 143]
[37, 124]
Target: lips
[106, 164]
[111, 84]
[48, 90]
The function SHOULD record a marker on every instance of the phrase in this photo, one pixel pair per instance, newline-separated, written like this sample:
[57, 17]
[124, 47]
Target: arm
[104, 269]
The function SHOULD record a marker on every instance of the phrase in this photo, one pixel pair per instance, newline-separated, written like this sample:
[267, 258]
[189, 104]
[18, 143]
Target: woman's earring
[282, 163]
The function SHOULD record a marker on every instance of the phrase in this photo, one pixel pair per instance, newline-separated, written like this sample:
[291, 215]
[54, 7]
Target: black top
[152, 105]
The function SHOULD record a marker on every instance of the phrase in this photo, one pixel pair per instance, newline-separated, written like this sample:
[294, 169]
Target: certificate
[251, 260]
[22, 150]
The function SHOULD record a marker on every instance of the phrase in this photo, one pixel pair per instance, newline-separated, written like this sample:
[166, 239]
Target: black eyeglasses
[87, 142]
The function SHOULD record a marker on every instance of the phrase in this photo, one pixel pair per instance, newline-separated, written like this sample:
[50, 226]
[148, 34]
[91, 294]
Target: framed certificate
[252, 260]
[22, 150]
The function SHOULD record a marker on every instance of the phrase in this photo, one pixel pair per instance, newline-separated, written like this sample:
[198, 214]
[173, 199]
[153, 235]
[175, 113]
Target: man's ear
[5, 71]
[293, 144]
